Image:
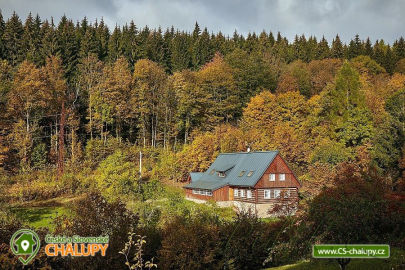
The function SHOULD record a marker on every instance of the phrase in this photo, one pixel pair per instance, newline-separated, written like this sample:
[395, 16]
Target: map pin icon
[25, 244]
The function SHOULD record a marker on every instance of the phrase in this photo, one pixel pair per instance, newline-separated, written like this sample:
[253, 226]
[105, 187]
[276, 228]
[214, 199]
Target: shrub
[189, 244]
[116, 176]
[94, 216]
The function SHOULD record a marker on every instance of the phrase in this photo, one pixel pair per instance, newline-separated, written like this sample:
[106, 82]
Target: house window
[276, 193]
[212, 172]
[282, 177]
[221, 174]
[272, 177]
[242, 193]
[235, 192]
[242, 173]
[250, 174]
[267, 193]
[194, 191]
[208, 193]
[249, 194]
[287, 194]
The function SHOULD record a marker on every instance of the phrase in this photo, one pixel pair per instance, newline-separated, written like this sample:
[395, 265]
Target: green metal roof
[195, 176]
[257, 162]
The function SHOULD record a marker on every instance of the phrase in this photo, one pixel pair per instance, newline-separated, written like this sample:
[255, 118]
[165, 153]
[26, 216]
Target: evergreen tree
[2, 29]
[68, 46]
[196, 32]
[89, 42]
[115, 45]
[49, 40]
[102, 35]
[155, 47]
[323, 49]
[379, 52]
[355, 47]
[180, 55]
[13, 41]
[399, 48]
[337, 48]
[271, 39]
[202, 51]
[368, 48]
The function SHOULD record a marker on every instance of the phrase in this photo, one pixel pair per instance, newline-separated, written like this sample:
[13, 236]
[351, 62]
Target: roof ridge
[233, 153]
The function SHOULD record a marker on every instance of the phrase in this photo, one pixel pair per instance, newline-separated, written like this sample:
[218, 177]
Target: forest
[80, 101]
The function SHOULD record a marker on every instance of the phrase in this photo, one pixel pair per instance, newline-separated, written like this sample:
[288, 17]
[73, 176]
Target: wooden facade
[219, 195]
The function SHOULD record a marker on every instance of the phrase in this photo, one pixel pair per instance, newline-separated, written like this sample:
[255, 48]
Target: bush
[189, 244]
[94, 216]
[116, 176]
[245, 242]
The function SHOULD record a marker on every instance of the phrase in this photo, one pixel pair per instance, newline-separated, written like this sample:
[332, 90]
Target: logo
[25, 243]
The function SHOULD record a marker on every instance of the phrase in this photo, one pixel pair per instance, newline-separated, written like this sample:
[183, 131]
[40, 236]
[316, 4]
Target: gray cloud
[374, 18]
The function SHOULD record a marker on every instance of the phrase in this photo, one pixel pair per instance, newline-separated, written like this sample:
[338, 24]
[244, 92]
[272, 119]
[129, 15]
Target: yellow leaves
[27, 86]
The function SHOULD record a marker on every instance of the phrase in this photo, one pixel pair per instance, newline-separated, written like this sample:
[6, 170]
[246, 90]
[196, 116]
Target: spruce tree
[399, 48]
[337, 48]
[322, 49]
[49, 39]
[202, 51]
[2, 28]
[114, 45]
[368, 48]
[196, 32]
[68, 46]
[180, 55]
[102, 35]
[13, 41]
[32, 40]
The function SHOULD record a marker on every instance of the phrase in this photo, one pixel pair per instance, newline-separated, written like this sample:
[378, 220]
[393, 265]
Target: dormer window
[242, 173]
[221, 174]
[212, 172]
[250, 174]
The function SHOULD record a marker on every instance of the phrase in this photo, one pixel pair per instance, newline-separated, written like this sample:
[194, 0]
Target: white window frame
[272, 177]
[242, 193]
[236, 192]
[277, 193]
[267, 194]
[249, 194]
[281, 176]
[221, 174]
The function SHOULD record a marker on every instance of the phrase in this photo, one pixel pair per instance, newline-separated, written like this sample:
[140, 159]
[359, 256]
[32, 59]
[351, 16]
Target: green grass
[396, 261]
[39, 214]
[37, 217]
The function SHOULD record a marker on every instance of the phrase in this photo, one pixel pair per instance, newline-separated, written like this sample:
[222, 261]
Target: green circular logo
[25, 243]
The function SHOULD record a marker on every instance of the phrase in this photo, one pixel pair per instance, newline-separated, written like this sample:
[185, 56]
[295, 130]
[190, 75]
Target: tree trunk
[91, 118]
[61, 142]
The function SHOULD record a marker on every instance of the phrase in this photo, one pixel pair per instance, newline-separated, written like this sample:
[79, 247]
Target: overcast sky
[374, 18]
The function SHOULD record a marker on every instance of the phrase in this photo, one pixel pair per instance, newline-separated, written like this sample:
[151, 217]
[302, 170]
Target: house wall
[278, 166]
[292, 191]
[245, 198]
[258, 195]
[221, 194]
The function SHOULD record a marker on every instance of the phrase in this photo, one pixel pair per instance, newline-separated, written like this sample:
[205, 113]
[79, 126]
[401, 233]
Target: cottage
[246, 180]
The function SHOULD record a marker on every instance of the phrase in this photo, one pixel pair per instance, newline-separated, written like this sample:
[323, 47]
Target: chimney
[248, 149]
